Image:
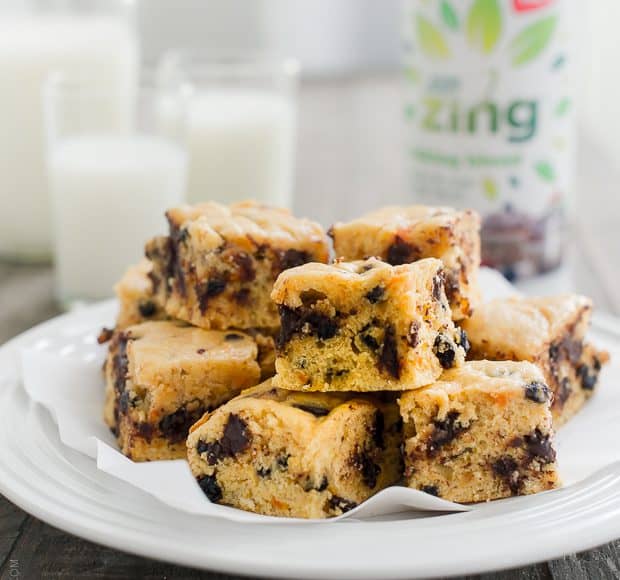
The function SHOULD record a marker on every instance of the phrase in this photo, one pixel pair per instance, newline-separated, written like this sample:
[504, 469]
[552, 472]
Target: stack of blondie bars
[298, 387]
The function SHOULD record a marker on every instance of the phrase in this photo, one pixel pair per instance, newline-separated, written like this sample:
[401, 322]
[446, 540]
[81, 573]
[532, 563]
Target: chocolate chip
[207, 290]
[245, 267]
[293, 321]
[507, 469]
[175, 426]
[588, 380]
[236, 437]
[147, 308]
[201, 351]
[311, 296]
[563, 392]
[145, 431]
[242, 296]
[370, 341]
[430, 489]
[463, 341]
[282, 462]
[339, 503]
[443, 433]
[377, 429]
[368, 469]
[292, 258]
[175, 267]
[539, 446]
[388, 359]
[313, 410]
[438, 286]
[537, 392]
[376, 294]
[231, 336]
[331, 373]
[210, 487]
[104, 335]
[452, 285]
[322, 485]
[120, 362]
[401, 252]
[263, 472]
[445, 351]
[413, 336]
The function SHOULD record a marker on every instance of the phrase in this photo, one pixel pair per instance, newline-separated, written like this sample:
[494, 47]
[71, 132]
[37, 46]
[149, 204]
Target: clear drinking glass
[113, 170]
[241, 126]
[36, 38]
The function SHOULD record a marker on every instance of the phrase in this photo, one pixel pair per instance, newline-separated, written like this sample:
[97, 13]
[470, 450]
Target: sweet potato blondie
[286, 453]
[134, 292]
[400, 235]
[161, 377]
[217, 266]
[547, 331]
[364, 326]
[482, 432]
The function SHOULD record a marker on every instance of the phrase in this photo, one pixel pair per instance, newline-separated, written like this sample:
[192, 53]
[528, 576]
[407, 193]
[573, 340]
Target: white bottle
[490, 120]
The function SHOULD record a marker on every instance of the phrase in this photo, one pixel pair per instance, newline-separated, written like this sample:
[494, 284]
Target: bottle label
[489, 116]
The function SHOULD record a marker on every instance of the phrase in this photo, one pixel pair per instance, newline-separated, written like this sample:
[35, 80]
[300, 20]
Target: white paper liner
[63, 373]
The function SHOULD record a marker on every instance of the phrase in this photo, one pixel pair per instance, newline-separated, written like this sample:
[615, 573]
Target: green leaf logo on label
[562, 107]
[448, 15]
[545, 171]
[484, 24]
[489, 189]
[431, 39]
[532, 40]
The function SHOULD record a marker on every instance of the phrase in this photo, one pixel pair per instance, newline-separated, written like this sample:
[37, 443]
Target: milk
[108, 195]
[31, 47]
[241, 145]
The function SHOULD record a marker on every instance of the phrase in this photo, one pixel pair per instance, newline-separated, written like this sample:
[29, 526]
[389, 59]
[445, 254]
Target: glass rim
[204, 64]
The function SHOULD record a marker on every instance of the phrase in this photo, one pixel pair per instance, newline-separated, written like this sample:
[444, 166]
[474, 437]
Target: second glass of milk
[112, 175]
[241, 126]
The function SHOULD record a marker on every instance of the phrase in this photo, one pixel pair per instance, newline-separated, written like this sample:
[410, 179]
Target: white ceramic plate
[65, 489]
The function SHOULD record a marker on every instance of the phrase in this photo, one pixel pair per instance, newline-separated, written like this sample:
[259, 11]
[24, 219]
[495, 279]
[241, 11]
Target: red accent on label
[527, 5]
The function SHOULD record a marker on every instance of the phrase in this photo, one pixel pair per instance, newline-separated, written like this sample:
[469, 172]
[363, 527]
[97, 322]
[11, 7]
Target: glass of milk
[37, 37]
[241, 126]
[112, 173]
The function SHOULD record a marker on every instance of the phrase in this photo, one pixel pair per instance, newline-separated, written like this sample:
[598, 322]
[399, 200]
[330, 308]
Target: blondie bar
[364, 326]
[400, 235]
[134, 292]
[482, 432]
[286, 453]
[217, 266]
[161, 377]
[547, 331]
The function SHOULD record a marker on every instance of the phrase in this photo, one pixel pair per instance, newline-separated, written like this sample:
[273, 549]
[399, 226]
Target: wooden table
[351, 157]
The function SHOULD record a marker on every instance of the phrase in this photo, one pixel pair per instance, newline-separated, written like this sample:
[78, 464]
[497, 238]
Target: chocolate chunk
[120, 363]
[438, 286]
[339, 503]
[554, 353]
[282, 462]
[210, 487]
[588, 380]
[245, 267]
[242, 296]
[370, 341]
[430, 489]
[463, 341]
[175, 266]
[236, 437]
[292, 258]
[322, 485]
[145, 430]
[263, 472]
[401, 252]
[376, 294]
[147, 308]
[201, 351]
[443, 433]
[123, 402]
[311, 296]
[413, 336]
[331, 373]
[452, 285]
[507, 469]
[104, 335]
[313, 410]
[377, 429]
[445, 351]
[563, 393]
[231, 336]
[206, 290]
[367, 468]
[294, 320]
[537, 392]
[388, 359]
[539, 446]
[175, 426]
